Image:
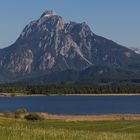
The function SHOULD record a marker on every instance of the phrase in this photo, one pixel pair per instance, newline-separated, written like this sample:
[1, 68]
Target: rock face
[50, 45]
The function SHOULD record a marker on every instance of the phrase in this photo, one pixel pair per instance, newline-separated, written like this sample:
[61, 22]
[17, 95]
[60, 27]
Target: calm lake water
[74, 104]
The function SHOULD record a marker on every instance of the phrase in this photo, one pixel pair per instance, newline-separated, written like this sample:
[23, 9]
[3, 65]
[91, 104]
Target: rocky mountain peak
[48, 22]
[48, 14]
[50, 19]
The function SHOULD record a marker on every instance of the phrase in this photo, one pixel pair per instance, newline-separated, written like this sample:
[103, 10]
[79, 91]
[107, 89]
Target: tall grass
[14, 130]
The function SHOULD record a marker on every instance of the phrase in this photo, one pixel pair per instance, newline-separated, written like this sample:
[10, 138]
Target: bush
[20, 112]
[33, 117]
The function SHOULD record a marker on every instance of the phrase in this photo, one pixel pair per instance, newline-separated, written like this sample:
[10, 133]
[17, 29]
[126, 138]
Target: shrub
[20, 112]
[33, 117]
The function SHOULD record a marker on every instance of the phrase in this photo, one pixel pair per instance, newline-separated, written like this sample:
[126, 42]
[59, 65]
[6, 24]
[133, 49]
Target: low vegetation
[22, 125]
[58, 130]
[33, 117]
[22, 114]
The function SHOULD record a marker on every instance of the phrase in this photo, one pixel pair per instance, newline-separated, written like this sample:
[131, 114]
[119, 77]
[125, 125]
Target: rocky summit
[51, 50]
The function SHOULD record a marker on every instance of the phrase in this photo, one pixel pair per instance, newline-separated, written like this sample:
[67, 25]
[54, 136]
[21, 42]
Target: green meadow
[12, 129]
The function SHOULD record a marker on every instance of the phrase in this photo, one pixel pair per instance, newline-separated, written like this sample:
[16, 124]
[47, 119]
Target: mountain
[51, 50]
[136, 50]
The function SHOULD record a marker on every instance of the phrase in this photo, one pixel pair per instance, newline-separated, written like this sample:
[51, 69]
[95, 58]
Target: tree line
[48, 89]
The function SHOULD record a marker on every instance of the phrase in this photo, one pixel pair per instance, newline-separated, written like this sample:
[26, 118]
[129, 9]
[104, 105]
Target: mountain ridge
[48, 45]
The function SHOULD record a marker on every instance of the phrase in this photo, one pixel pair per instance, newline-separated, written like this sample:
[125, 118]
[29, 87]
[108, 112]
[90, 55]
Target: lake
[74, 104]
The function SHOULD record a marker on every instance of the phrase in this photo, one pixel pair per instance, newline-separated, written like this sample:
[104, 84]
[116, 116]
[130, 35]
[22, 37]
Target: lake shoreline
[36, 95]
[78, 118]
[81, 118]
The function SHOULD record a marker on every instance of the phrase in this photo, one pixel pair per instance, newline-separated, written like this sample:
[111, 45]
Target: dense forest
[62, 89]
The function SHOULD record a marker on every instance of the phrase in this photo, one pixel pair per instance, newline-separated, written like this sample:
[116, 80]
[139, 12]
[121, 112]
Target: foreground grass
[58, 130]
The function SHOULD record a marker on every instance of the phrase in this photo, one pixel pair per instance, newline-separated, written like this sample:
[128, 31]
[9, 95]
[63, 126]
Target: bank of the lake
[73, 118]
[76, 118]
[35, 95]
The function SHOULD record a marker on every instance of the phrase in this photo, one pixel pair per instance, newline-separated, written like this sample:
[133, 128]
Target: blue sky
[118, 20]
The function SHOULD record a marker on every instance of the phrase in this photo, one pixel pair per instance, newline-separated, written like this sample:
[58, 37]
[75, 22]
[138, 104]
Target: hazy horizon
[116, 20]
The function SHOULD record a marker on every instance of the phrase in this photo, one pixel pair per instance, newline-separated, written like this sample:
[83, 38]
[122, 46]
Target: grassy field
[11, 129]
